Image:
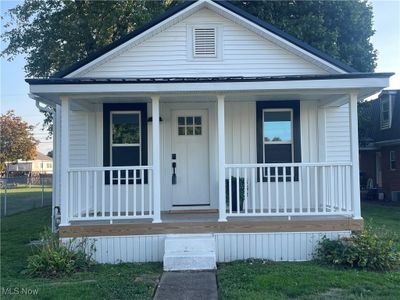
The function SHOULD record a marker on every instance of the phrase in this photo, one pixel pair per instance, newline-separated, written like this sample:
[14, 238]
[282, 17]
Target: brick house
[380, 144]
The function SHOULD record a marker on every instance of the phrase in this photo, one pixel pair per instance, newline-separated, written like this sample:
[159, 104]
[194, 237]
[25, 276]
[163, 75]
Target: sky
[14, 91]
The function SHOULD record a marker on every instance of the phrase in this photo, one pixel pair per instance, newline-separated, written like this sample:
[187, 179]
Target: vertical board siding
[276, 246]
[337, 134]
[244, 53]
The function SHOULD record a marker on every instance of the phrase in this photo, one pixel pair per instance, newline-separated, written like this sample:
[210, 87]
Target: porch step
[189, 252]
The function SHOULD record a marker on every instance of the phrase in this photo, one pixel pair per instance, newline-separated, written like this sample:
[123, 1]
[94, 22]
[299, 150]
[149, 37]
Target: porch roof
[118, 80]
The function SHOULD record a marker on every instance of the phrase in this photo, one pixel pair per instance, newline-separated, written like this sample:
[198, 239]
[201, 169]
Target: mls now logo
[18, 291]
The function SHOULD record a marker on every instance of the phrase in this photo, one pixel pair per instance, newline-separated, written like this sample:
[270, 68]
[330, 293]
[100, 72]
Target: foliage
[54, 258]
[367, 249]
[341, 29]
[54, 34]
[16, 139]
[121, 281]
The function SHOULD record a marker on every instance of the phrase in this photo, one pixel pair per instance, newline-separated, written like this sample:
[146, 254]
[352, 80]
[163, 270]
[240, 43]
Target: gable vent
[204, 42]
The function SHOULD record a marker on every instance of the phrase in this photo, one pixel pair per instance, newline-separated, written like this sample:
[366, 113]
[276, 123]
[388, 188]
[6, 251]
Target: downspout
[50, 109]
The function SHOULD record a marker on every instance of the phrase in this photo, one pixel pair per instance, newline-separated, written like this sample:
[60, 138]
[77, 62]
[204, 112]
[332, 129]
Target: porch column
[155, 105]
[355, 188]
[221, 158]
[64, 160]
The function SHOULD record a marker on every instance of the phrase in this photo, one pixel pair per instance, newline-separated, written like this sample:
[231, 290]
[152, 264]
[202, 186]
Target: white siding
[337, 134]
[78, 139]
[167, 54]
[276, 246]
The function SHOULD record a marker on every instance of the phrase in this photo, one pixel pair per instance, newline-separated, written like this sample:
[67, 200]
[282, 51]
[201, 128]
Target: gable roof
[223, 4]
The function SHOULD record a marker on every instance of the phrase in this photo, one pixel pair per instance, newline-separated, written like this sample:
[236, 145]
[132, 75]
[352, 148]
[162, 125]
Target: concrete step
[189, 252]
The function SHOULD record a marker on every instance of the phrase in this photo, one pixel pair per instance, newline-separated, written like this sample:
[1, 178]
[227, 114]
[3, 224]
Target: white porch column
[221, 158]
[355, 188]
[64, 155]
[155, 105]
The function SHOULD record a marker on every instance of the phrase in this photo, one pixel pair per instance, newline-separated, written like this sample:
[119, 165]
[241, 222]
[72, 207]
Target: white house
[40, 164]
[152, 132]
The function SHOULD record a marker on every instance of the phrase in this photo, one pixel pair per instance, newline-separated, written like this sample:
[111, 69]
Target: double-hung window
[125, 139]
[386, 116]
[392, 160]
[278, 137]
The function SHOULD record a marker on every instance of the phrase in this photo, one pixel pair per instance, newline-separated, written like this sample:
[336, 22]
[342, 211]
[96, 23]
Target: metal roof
[202, 79]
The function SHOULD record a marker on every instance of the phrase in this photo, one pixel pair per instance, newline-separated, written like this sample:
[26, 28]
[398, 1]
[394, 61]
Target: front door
[190, 154]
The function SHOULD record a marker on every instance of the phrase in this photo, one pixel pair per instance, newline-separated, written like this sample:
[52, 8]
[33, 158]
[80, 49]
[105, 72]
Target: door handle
[173, 173]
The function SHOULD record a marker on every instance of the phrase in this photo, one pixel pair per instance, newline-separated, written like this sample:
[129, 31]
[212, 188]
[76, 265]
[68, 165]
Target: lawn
[308, 280]
[24, 198]
[237, 280]
[124, 281]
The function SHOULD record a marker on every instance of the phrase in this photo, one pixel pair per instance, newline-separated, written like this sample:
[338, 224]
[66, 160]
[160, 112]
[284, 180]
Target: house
[40, 164]
[206, 135]
[380, 146]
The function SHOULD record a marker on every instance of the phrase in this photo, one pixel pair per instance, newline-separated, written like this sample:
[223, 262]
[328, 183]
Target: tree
[56, 33]
[16, 139]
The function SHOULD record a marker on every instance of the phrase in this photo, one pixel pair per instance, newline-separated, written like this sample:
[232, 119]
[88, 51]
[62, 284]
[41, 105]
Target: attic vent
[204, 42]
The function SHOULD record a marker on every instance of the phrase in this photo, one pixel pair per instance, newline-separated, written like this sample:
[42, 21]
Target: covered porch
[241, 188]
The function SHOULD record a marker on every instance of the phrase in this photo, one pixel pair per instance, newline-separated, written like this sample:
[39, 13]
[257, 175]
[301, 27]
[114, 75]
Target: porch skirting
[275, 246]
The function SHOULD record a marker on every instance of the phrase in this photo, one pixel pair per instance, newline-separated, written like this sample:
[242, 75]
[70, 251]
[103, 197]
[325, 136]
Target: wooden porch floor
[203, 222]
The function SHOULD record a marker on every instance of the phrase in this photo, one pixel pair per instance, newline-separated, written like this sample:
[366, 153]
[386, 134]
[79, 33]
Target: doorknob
[173, 173]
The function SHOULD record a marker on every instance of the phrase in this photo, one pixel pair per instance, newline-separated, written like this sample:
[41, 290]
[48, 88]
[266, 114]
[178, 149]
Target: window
[386, 112]
[48, 165]
[392, 160]
[278, 136]
[189, 125]
[204, 42]
[125, 138]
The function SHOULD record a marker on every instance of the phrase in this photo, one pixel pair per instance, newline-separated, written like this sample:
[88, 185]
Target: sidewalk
[187, 285]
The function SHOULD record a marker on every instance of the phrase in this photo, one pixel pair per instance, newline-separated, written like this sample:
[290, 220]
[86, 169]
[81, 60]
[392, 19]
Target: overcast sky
[14, 90]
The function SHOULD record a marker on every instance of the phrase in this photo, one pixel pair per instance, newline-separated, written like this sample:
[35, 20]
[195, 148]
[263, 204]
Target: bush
[366, 250]
[55, 258]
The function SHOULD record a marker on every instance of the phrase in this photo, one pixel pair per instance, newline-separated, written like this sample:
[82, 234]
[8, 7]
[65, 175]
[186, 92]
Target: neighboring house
[41, 164]
[152, 132]
[380, 145]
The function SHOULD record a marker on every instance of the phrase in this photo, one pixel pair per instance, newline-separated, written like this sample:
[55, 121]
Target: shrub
[55, 258]
[366, 250]
[242, 192]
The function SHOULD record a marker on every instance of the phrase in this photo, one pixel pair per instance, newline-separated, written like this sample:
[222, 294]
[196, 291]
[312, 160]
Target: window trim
[294, 105]
[386, 124]
[392, 159]
[119, 112]
[124, 107]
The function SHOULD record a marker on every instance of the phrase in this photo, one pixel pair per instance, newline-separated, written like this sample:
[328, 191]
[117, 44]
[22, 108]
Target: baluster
[111, 196]
[253, 190]
[301, 191]
[308, 179]
[237, 190]
[230, 189]
[323, 190]
[260, 171]
[95, 193]
[150, 177]
[332, 207]
[142, 190]
[269, 189]
[119, 193]
[103, 186]
[277, 190]
[87, 193]
[284, 190]
[79, 194]
[245, 191]
[126, 192]
[292, 187]
[134, 193]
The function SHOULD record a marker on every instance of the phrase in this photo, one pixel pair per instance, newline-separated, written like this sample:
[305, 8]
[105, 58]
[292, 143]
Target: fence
[21, 193]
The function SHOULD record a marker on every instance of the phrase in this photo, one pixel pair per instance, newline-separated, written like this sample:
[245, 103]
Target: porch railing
[294, 189]
[108, 193]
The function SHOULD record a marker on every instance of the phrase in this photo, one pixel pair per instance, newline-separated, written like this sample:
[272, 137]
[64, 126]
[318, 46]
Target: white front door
[190, 153]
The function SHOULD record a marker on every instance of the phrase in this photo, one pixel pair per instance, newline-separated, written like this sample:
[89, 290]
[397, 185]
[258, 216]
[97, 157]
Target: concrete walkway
[187, 286]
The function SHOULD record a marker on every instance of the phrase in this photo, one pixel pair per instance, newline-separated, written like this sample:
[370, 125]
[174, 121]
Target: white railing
[110, 193]
[293, 189]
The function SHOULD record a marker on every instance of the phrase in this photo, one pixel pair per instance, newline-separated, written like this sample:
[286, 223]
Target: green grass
[308, 280]
[123, 281]
[24, 198]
